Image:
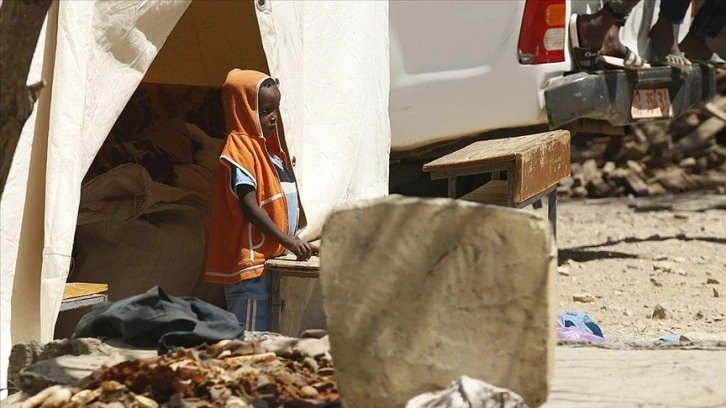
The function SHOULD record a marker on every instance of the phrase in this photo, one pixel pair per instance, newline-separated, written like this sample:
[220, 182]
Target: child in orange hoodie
[255, 215]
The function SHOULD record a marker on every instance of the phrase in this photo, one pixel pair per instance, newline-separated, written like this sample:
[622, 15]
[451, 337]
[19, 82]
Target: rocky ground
[646, 267]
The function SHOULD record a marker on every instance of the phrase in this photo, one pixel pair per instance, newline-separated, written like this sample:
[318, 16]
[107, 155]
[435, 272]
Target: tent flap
[103, 50]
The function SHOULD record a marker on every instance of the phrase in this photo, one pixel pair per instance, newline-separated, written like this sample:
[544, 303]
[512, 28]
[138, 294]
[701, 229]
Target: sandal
[714, 62]
[586, 59]
[590, 59]
[632, 61]
[674, 60]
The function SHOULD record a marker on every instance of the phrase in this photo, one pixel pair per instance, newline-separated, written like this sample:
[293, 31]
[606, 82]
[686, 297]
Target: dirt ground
[631, 255]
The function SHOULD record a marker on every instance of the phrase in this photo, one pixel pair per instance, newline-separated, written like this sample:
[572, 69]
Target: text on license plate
[651, 103]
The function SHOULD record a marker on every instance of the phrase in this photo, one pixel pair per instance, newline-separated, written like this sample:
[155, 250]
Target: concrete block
[418, 292]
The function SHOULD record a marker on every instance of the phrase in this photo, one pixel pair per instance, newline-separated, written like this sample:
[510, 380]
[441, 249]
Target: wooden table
[288, 267]
[532, 164]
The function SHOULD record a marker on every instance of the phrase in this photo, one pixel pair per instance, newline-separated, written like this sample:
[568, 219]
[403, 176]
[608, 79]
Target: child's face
[269, 100]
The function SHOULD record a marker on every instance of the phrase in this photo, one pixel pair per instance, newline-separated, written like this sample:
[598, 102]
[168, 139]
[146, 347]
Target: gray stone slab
[418, 292]
[64, 370]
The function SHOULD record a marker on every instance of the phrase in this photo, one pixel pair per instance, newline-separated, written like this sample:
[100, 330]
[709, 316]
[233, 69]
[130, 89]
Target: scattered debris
[563, 270]
[229, 373]
[659, 312]
[655, 282]
[665, 267]
[583, 298]
[656, 158]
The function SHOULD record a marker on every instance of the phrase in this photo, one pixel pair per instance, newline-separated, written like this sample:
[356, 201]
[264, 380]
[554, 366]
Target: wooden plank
[289, 263]
[540, 160]
[78, 289]
[82, 301]
[489, 152]
[494, 192]
[542, 165]
[698, 138]
[715, 111]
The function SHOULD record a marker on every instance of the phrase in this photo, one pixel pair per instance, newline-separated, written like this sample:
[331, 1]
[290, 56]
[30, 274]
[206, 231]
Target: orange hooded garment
[236, 250]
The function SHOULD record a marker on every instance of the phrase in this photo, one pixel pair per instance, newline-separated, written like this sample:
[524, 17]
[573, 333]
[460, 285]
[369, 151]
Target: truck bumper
[608, 95]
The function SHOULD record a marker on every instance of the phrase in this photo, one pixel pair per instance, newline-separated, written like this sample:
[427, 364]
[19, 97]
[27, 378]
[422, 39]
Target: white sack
[468, 393]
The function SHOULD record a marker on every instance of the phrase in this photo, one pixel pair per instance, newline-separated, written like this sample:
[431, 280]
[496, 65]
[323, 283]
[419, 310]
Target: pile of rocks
[685, 154]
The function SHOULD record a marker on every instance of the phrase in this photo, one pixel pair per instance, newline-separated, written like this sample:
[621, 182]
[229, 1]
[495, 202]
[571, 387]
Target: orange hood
[239, 98]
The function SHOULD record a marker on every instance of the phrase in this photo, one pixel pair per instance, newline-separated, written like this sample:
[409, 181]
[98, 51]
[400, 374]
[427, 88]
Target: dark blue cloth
[155, 319]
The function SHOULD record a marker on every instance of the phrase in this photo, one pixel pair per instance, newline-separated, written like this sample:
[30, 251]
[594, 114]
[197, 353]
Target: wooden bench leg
[452, 187]
[277, 302]
[552, 210]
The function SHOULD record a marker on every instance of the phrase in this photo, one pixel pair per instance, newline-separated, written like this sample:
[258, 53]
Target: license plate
[651, 104]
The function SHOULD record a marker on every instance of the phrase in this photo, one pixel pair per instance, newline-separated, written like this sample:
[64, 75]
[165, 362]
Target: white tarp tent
[331, 58]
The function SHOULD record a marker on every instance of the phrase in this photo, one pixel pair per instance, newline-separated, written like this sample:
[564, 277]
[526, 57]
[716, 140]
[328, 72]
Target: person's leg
[663, 40]
[709, 21]
[594, 28]
[600, 31]
[250, 300]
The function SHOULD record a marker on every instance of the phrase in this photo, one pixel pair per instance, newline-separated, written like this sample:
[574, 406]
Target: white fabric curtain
[332, 61]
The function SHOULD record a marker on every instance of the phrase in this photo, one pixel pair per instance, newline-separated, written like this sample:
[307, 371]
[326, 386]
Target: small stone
[627, 313]
[583, 298]
[659, 312]
[146, 402]
[655, 282]
[309, 391]
[699, 315]
[58, 398]
[666, 267]
[712, 281]
[715, 292]
[563, 270]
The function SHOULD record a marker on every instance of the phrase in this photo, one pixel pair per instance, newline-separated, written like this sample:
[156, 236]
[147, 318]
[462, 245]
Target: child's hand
[300, 248]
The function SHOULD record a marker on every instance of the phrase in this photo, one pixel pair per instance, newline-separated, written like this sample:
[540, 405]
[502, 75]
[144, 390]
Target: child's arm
[260, 219]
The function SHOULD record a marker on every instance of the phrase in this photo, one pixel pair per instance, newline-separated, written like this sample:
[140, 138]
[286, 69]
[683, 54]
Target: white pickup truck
[463, 68]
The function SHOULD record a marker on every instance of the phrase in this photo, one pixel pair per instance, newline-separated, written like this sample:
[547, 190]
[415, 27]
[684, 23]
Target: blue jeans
[709, 20]
[251, 301]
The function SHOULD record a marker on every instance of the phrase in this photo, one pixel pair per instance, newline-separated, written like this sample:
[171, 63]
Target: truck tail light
[542, 36]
